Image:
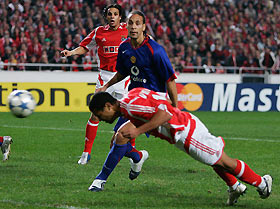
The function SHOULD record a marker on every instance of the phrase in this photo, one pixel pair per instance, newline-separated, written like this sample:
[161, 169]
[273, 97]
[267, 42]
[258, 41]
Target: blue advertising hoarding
[228, 97]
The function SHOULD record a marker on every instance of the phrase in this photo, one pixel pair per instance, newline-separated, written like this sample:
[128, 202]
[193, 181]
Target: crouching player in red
[148, 111]
[5, 144]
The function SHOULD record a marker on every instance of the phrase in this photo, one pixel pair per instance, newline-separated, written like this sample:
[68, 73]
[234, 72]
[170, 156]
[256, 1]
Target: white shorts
[117, 90]
[202, 145]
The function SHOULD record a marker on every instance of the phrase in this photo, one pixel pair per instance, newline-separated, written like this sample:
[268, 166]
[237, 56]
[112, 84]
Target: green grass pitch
[42, 171]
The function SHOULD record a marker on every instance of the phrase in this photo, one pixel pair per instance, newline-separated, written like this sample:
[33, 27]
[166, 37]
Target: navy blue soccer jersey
[148, 65]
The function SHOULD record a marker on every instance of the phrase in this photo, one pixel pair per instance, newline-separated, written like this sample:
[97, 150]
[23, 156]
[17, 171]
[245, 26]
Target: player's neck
[137, 42]
[114, 27]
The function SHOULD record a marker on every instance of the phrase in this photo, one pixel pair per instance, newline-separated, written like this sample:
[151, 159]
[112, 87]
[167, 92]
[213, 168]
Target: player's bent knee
[227, 162]
[120, 139]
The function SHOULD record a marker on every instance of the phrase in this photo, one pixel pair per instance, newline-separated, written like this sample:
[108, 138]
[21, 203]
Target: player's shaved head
[137, 12]
[98, 101]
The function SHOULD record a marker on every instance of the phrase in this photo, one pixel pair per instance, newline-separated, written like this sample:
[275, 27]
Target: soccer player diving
[148, 111]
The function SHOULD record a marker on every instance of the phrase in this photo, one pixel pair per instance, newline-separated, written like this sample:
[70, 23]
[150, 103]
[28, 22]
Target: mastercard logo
[190, 96]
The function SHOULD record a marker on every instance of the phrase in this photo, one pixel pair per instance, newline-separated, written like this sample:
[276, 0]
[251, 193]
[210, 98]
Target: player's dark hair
[137, 12]
[99, 100]
[117, 6]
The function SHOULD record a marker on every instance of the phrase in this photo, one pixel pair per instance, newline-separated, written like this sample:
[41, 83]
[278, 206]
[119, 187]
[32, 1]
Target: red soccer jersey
[141, 104]
[107, 42]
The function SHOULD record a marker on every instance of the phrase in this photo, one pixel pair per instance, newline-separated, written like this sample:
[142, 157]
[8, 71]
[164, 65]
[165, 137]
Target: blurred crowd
[212, 34]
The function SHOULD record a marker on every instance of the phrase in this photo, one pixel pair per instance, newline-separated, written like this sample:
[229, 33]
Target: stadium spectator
[191, 40]
[188, 67]
[68, 43]
[32, 60]
[251, 61]
[1, 64]
[48, 47]
[233, 60]
[189, 51]
[7, 54]
[15, 35]
[56, 59]
[178, 33]
[198, 63]
[44, 60]
[22, 53]
[208, 59]
[35, 48]
[20, 65]
[276, 66]
[13, 61]
[208, 67]
[5, 41]
[219, 68]
[179, 51]
[63, 60]
[74, 62]
[267, 59]
[202, 48]
[217, 49]
[178, 66]
[87, 63]
[163, 28]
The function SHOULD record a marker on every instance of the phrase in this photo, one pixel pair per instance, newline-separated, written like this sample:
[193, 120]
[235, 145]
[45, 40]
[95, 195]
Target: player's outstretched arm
[77, 51]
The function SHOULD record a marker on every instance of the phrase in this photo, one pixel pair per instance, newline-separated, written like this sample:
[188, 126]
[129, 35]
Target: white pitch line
[51, 128]
[105, 131]
[41, 205]
[248, 139]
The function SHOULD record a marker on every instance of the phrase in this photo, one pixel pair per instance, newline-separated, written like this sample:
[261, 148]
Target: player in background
[107, 40]
[148, 65]
[5, 144]
[148, 111]
[144, 60]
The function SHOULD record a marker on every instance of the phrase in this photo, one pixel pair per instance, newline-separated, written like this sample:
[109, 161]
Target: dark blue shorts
[121, 121]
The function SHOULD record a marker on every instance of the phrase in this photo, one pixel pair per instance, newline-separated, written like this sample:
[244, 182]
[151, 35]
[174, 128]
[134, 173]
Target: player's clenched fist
[66, 53]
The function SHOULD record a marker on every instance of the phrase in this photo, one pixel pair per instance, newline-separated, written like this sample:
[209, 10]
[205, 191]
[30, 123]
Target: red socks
[242, 172]
[1, 140]
[227, 177]
[246, 174]
[91, 130]
[132, 142]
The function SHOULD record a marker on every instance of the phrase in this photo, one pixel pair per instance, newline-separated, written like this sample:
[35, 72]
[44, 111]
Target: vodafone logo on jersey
[190, 96]
[134, 73]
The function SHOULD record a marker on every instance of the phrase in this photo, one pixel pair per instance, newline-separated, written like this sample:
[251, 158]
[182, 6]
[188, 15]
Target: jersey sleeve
[163, 63]
[89, 42]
